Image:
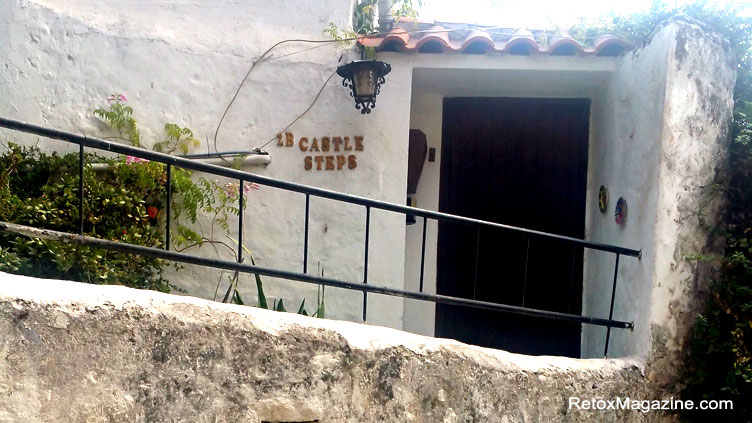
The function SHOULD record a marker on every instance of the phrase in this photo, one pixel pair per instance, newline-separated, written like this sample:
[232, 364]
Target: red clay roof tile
[425, 37]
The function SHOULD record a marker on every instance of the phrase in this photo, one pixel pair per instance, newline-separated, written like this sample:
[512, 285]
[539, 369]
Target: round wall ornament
[602, 199]
[620, 213]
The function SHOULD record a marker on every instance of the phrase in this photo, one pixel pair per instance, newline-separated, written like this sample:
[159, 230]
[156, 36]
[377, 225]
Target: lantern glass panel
[365, 82]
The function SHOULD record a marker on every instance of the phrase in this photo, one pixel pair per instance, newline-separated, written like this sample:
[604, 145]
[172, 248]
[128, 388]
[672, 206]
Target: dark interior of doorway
[521, 162]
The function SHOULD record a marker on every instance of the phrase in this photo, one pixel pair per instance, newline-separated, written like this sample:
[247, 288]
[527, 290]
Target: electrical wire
[302, 114]
[270, 58]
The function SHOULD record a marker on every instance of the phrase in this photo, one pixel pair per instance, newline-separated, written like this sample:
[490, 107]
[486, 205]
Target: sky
[539, 14]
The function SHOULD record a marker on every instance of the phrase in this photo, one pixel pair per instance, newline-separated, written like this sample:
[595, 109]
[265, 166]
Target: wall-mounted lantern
[364, 78]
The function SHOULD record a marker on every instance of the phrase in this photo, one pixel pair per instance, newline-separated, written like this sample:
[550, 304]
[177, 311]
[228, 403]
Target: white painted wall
[625, 140]
[660, 139]
[181, 62]
[658, 130]
[426, 115]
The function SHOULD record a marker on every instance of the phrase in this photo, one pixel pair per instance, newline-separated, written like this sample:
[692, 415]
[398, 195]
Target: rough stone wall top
[699, 101]
[81, 353]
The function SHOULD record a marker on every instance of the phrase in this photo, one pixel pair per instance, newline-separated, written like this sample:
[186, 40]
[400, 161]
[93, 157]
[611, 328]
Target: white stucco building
[647, 122]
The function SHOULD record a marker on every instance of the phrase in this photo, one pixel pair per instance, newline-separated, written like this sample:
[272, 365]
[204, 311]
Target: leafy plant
[123, 202]
[364, 17]
[120, 117]
[406, 8]
[177, 139]
[720, 363]
[365, 21]
[279, 305]
[41, 190]
[336, 33]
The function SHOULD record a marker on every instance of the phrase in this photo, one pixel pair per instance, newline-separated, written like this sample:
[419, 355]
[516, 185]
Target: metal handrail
[308, 191]
[291, 186]
[301, 277]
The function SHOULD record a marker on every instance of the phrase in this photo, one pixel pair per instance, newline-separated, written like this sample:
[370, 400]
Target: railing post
[240, 221]
[365, 265]
[305, 233]
[81, 188]
[611, 309]
[168, 217]
[477, 254]
[571, 279]
[524, 281]
[423, 254]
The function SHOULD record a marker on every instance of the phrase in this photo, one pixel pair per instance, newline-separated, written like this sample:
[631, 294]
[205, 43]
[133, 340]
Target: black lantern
[364, 78]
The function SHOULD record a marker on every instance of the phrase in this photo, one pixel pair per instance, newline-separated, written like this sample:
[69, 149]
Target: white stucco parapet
[78, 352]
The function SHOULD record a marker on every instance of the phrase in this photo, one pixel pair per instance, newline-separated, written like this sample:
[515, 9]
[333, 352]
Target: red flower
[124, 232]
[152, 212]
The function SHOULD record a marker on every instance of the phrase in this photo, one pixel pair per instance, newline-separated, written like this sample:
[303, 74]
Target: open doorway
[521, 162]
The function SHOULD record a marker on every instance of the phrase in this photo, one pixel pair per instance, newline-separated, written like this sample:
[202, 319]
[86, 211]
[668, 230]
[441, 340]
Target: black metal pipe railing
[305, 232]
[168, 217]
[477, 256]
[295, 276]
[423, 255]
[291, 186]
[611, 307]
[308, 191]
[81, 189]
[241, 190]
[365, 264]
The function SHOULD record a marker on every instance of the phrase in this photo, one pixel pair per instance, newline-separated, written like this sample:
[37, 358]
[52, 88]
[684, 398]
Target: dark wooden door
[521, 162]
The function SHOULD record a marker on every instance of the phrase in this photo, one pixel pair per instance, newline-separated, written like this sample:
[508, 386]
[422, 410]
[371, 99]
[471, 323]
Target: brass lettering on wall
[325, 145]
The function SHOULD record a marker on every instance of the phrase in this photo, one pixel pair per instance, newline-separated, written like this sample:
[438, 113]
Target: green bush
[123, 201]
[41, 190]
[720, 363]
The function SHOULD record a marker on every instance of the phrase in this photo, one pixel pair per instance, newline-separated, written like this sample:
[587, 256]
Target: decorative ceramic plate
[620, 213]
[602, 199]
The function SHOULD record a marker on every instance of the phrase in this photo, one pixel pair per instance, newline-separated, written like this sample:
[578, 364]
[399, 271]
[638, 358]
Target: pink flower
[116, 97]
[248, 186]
[133, 159]
[232, 189]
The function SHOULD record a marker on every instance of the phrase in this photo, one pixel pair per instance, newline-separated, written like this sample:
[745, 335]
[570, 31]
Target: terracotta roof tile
[425, 37]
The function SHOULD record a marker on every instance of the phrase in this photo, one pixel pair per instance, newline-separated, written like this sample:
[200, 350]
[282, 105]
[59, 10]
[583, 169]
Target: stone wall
[81, 353]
